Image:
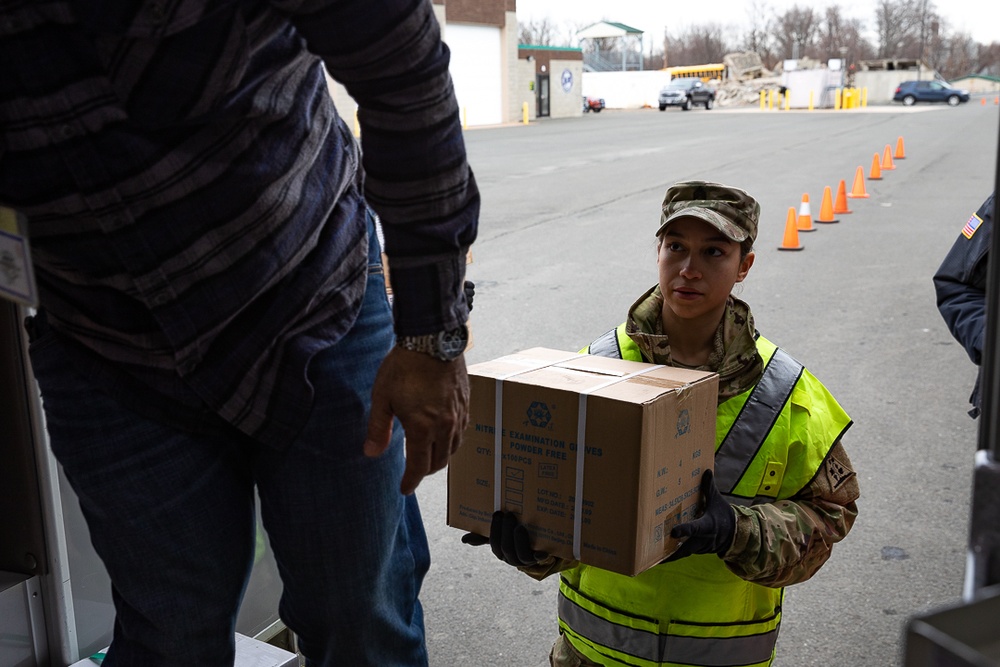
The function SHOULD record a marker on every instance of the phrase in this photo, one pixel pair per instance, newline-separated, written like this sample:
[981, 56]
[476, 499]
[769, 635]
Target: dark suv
[911, 92]
[685, 93]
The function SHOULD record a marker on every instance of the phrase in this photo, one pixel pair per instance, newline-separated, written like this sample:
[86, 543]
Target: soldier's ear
[745, 265]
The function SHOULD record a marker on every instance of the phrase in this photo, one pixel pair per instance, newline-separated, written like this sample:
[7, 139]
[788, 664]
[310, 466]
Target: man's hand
[431, 399]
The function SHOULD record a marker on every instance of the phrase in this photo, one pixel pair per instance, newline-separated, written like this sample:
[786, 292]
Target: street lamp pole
[923, 33]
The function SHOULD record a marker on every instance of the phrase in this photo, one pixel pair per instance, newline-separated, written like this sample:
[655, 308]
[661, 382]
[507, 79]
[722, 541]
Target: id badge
[17, 276]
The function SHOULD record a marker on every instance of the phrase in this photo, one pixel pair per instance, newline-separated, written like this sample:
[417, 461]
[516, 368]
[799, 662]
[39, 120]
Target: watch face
[452, 343]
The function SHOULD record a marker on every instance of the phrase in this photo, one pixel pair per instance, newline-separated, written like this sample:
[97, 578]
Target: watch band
[445, 345]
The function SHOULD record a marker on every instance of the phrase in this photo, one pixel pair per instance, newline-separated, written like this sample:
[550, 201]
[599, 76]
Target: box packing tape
[581, 436]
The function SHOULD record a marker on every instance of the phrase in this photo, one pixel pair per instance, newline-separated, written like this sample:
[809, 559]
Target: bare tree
[937, 44]
[959, 55]
[841, 37]
[698, 45]
[757, 37]
[929, 22]
[795, 32]
[989, 59]
[540, 32]
[655, 58]
[905, 27]
[892, 25]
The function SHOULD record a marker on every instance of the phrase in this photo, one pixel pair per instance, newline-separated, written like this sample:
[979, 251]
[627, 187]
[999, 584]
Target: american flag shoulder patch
[971, 226]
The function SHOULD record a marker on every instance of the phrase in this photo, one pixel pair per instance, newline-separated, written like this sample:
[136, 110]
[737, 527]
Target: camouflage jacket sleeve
[787, 541]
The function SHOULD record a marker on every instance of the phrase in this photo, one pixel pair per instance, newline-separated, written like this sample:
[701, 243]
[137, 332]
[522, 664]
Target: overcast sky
[979, 18]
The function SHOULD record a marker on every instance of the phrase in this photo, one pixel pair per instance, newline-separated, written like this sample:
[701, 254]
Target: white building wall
[882, 84]
[976, 85]
[476, 57]
[523, 91]
[489, 82]
[565, 88]
[516, 89]
[626, 90]
[821, 84]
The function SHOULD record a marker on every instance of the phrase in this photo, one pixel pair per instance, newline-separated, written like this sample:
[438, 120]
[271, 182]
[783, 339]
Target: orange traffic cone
[826, 207]
[791, 240]
[900, 153]
[982, 102]
[840, 205]
[996, 100]
[805, 216]
[858, 190]
[876, 172]
[887, 158]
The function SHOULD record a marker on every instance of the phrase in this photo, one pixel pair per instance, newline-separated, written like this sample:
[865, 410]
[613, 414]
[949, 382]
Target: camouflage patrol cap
[730, 210]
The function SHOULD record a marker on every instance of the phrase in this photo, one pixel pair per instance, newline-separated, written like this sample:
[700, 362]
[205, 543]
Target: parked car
[685, 93]
[594, 104]
[911, 92]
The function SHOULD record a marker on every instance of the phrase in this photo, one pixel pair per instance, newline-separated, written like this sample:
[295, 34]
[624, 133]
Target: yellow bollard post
[864, 96]
[787, 107]
[762, 100]
[810, 100]
[524, 113]
[847, 98]
[836, 99]
[357, 126]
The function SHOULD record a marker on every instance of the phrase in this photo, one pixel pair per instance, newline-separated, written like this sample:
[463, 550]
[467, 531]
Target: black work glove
[710, 533]
[470, 291]
[509, 541]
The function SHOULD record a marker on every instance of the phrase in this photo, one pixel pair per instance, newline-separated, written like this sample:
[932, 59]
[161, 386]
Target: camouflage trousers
[564, 655]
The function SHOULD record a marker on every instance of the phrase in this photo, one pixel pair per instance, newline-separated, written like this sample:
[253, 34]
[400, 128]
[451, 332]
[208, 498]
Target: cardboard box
[648, 432]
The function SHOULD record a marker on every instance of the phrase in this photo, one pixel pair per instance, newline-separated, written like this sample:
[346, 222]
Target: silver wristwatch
[444, 345]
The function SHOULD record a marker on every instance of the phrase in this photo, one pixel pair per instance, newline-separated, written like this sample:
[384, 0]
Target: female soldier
[783, 491]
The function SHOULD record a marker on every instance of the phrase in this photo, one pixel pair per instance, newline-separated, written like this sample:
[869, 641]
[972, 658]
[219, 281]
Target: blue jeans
[171, 514]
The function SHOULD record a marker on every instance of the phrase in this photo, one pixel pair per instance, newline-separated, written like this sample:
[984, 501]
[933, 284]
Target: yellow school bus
[703, 72]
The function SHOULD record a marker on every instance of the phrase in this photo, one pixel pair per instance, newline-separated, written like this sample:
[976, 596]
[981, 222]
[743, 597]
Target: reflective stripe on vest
[752, 426]
[658, 648]
[607, 346]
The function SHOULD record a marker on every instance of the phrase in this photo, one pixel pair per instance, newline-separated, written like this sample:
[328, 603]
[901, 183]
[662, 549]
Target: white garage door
[476, 71]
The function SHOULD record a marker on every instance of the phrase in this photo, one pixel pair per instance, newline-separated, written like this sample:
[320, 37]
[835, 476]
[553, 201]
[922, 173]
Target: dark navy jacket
[960, 284]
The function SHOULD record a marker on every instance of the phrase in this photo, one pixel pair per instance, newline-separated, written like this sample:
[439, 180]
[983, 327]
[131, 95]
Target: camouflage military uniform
[776, 544]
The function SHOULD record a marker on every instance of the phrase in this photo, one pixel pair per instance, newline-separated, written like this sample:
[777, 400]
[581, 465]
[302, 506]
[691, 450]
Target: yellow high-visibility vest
[770, 442]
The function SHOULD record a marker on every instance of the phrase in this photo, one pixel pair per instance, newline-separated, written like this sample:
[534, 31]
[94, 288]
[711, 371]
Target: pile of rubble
[747, 77]
[734, 93]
